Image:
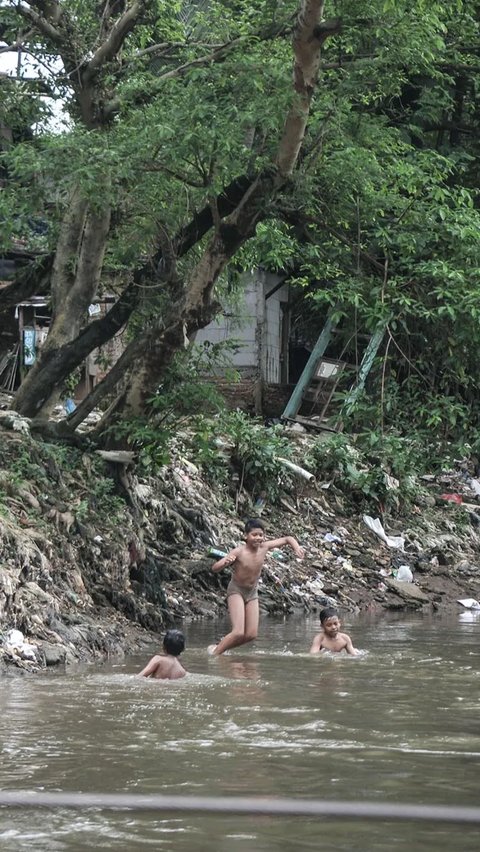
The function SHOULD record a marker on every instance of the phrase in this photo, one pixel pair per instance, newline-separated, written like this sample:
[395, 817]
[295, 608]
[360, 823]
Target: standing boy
[166, 666]
[242, 591]
[330, 638]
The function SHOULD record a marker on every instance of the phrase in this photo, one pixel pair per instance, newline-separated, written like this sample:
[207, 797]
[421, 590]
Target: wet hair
[328, 612]
[254, 524]
[174, 642]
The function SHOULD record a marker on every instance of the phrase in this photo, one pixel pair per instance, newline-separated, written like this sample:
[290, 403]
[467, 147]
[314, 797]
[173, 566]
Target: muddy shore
[96, 561]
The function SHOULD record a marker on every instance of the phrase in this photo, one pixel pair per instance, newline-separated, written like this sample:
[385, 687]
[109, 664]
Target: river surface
[400, 723]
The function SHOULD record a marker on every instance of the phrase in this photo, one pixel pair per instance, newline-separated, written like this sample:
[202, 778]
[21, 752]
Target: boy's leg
[251, 620]
[236, 609]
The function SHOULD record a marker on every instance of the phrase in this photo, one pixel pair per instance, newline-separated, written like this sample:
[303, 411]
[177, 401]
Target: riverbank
[96, 560]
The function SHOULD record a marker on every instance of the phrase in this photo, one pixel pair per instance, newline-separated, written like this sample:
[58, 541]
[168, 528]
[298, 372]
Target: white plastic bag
[404, 574]
[375, 525]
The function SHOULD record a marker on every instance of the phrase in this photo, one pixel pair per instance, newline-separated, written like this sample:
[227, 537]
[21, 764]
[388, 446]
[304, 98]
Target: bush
[364, 466]
[234, 443]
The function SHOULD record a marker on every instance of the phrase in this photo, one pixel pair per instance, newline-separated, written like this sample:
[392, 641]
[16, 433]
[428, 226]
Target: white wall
[239, 323]
[244, 323]
[273, 328]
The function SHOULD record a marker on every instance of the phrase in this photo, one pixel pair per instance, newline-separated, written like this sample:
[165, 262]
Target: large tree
[188, 145]
[144, 130]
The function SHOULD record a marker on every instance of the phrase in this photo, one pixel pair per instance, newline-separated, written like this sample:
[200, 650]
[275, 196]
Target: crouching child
[330, 638]
[166, 666]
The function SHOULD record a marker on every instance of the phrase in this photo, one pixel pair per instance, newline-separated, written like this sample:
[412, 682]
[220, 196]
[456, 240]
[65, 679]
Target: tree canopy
[191, 148]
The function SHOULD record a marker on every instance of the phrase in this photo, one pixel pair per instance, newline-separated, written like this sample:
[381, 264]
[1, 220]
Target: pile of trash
[94, 560]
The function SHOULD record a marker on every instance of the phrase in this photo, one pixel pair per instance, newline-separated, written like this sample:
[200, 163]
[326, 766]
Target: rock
[425, 500]
[54, 655]
[466, 568]
[367, 561]
[408, 591]
[117, 456]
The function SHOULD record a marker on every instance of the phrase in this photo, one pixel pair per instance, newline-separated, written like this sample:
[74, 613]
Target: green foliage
[439, 420]
[187, 389]
[366, 466]
[207, 451]
[24, 467]
[256, 453]
[252, 453]
[149, 440]
[381, 218]
[101, 503]
[47, 469]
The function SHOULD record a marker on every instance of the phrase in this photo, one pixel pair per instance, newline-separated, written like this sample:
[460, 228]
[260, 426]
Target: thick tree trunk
[242, 203]
[108, 385]
[173, 335]
[59, 362]
[238, 227]
[76, 274]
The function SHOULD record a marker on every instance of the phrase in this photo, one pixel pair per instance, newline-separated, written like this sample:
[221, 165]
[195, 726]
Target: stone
[408, 591]
[54, 655]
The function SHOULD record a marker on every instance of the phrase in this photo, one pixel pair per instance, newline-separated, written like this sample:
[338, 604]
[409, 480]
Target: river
[400, 723]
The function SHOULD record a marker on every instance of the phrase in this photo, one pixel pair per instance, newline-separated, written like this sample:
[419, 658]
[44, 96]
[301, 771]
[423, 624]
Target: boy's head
[254, 532]
[254, 524]
[174, 642]
[330, 621]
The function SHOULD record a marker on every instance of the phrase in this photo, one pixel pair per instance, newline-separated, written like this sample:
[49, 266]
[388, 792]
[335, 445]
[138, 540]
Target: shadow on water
[397, 724]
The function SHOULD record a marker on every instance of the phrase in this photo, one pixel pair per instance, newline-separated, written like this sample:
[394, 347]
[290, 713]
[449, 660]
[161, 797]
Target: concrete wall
[256, 324]
[273, 330]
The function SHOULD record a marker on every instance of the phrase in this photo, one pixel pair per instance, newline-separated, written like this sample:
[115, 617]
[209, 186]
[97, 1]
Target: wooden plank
[295, 400]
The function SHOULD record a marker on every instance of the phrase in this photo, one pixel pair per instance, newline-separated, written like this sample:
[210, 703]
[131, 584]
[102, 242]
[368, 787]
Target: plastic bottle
[277, 554]
[218, 554]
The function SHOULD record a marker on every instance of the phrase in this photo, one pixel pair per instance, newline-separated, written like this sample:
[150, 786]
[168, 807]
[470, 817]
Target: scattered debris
[375, 525]
[469, 603]
[93, 559]
[295, 468]
[404, 574]
[452, 498]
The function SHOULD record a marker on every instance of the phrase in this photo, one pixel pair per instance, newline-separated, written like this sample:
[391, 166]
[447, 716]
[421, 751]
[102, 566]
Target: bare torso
[339, 643]
[248, 565]
[165, 667]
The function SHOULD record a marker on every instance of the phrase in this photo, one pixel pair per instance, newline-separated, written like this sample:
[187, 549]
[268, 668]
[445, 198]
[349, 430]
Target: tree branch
[116, 37]
[310, 33]
[107, 384]
[296, 219]
[42, 24]
[326, 29]
[218, 52]
[158, 167]
[59, 363]
[50, 9]
[28, 282]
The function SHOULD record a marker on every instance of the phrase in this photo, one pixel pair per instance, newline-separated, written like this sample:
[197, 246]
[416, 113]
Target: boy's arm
[316, 644]
[226, 560]
[281, 542]
[349, 647]
[151, 667]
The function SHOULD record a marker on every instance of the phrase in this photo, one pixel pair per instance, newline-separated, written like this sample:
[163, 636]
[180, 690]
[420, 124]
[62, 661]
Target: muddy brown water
[400, 724]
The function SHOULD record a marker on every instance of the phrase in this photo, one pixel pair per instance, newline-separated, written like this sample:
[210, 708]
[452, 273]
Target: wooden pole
[365, 367]
[318, 350]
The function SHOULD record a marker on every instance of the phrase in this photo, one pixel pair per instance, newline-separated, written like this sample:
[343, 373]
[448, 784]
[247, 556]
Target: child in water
[242, 591]
[166, 666]
[330, 638]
